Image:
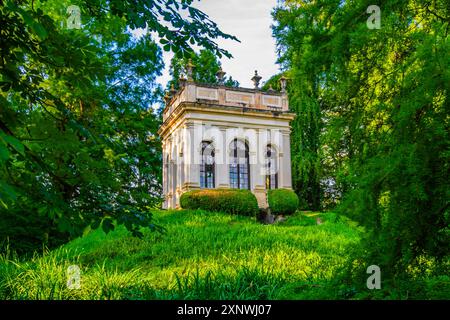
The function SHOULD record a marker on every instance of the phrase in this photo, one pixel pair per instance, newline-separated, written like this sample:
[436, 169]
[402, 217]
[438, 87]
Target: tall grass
[201, 256]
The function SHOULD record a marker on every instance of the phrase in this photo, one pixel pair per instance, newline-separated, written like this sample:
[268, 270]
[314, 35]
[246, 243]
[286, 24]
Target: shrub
[232, 201]
[282, 201]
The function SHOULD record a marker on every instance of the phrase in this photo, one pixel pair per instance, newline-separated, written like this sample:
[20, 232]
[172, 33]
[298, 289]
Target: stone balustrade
[227, 97]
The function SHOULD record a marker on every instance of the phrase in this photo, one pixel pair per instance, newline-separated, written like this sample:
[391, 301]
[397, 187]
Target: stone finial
[167, 98]
[189, 70]
[283, 83]
[271, 89]
[182, 81]
[220, 76]
[172, 91]
[256, 79]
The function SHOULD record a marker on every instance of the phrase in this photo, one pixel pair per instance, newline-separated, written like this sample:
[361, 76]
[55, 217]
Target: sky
[249, 21]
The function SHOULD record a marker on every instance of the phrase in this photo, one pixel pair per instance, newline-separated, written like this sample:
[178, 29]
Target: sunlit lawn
[202, 255]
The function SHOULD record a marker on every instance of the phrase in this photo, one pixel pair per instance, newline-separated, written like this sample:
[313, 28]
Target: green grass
[201, 256]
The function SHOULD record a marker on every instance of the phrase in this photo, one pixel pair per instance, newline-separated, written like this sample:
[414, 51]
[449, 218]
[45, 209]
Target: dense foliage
[282, 201]
[231, 201]
[371, 132]
[78, 143]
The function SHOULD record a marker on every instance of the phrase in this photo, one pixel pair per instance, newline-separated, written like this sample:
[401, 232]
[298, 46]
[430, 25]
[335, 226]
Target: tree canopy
[371, 132]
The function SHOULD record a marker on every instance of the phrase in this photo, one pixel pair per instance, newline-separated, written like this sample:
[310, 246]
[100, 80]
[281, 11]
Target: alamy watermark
[73, 277]
[74, 19]
[374, 20]
[374, 281]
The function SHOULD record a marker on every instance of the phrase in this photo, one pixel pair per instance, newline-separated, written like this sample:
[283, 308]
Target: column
[222, 174]
[174, 179]
[192, 158]
[285, 162]
[164, 174]
[258, 180]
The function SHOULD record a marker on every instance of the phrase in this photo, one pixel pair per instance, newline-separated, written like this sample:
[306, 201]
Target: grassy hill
[201, 256]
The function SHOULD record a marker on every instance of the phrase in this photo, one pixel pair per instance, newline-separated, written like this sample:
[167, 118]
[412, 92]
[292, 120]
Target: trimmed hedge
[233, 201]
[282, 201]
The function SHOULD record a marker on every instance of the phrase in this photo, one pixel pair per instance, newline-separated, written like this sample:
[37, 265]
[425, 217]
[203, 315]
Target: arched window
[239, 165]
[207, 167]
[271, 168]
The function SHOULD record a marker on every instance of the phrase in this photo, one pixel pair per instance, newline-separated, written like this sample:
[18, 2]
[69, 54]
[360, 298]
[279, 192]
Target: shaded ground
[201, 256]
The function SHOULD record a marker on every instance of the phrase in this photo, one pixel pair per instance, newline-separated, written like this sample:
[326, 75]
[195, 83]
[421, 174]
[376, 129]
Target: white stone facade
[221, 137]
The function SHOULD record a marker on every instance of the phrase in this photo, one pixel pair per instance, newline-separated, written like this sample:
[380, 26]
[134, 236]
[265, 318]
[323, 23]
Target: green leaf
[4, 152]
[39, 30]
[13, 142]
[42, 211]
[3, 204]
[27, 17]
[6, 191]
[64, 225]
[95, 224]
[37, 27]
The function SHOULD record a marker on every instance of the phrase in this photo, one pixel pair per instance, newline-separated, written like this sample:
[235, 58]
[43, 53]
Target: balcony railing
[229, 97]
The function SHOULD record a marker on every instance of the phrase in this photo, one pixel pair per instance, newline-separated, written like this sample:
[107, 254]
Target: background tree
[307, 174]
[273, 82]
[206, 64]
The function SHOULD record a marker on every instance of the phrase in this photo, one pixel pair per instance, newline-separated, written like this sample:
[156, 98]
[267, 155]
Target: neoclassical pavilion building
[215, 136]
